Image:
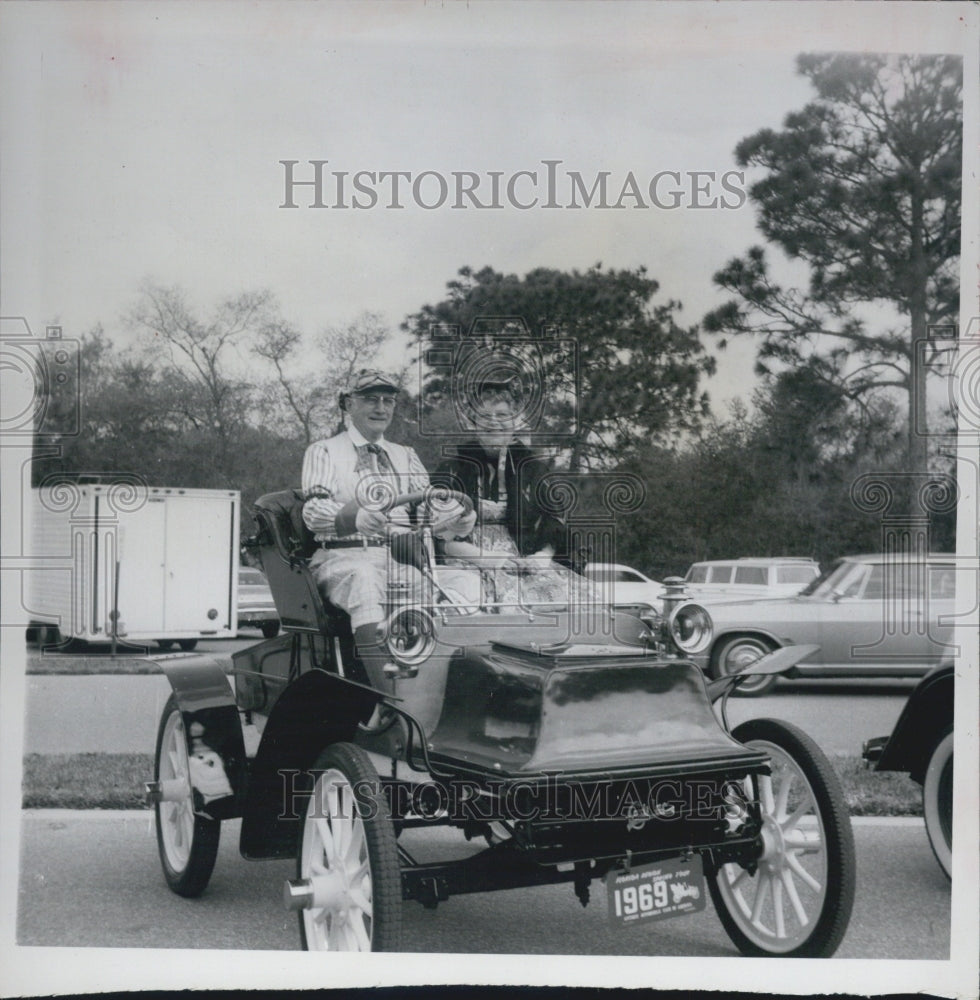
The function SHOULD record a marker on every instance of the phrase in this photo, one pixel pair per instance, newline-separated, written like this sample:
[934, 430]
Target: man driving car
[348, 481]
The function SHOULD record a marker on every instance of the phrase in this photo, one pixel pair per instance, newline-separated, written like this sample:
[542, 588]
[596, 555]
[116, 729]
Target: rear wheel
[734, 655]
[347, 865]
[188, 843]
[166, 643]
[937, 801]
[187, 644]
[270, 629]
[797, 902]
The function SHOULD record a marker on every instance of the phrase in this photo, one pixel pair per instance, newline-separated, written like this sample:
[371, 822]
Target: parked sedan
[870, 615]
[256, 608]
[624, 586]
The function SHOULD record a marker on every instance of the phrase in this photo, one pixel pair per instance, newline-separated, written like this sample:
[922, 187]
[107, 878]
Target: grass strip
[85, 780]
[115, 781]
[53, 664]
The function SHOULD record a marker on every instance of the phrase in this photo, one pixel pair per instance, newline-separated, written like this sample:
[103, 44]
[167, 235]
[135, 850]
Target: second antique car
[921, 745]
[563, 743]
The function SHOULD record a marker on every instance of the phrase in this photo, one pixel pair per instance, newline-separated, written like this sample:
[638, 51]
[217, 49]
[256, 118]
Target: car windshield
[795, 574]
[843, 579]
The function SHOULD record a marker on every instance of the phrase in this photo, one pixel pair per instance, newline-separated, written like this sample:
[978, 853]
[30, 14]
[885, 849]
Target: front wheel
[270, 629]
[797, 902]
[187, 644]
[734, 655]
[937, 801]
[347, 864]
[188, 843]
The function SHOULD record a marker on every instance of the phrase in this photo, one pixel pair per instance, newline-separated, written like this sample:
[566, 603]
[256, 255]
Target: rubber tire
[193, 878]
[187, 644]
[166, 644]
[937, 800]
[379, 834]
[747, 689]
[270, 629]
[830, 925]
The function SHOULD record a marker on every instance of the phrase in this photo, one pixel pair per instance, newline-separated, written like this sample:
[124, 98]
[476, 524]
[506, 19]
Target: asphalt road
[93, 879]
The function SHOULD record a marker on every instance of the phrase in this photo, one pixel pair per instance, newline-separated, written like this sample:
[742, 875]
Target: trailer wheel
[187, 842]
[348, 888]
[797, 902]
[187, 644]
[270, 629]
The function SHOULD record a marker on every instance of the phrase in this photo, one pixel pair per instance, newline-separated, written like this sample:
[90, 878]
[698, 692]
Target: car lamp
[690, 626]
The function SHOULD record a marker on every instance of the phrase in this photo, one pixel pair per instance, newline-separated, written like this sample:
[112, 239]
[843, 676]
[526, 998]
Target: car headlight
[690, 628]
[410, 637]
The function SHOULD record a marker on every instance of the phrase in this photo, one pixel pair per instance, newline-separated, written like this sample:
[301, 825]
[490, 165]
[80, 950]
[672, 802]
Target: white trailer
[143, 563]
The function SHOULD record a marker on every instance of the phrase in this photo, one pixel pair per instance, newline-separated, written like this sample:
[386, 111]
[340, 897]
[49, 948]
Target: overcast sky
[145, 140]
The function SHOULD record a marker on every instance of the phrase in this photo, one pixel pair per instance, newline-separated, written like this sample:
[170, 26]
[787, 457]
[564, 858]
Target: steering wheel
[437, 493]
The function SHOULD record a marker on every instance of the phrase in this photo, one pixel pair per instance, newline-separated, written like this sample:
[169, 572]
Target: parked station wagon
[737, 578]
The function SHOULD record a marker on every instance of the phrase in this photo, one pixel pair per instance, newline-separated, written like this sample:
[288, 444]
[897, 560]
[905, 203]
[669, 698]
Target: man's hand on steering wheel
[370, 522]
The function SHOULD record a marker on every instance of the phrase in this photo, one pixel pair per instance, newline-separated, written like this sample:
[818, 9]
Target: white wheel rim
[176, 816]
[334, 858]
[779, 905]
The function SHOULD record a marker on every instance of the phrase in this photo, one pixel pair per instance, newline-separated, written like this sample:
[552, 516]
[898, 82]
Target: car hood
[761, 608]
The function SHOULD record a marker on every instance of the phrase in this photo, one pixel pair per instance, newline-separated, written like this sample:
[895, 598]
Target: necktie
[381, 461]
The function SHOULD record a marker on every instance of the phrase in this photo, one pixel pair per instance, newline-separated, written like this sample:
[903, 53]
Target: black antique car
[921, 745]
[566, 743]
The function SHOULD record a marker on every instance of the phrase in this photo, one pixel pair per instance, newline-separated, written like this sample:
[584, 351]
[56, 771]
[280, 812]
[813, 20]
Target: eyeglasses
[388, 402]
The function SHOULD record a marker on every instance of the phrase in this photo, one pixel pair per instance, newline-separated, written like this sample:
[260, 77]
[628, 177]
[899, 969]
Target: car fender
[729, 632]
[315, 710]
[211, 722]
[926, 714]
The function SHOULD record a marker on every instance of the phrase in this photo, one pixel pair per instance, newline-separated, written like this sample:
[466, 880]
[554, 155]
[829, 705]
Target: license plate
[655, 892]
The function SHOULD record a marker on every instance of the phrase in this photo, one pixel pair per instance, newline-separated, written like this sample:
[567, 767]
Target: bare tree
[309, 397]
[198, 356]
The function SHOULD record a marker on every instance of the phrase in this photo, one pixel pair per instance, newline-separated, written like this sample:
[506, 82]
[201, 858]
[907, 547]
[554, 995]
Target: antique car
[921, 745]
[256, 606]
[562, 743]
[871, 616]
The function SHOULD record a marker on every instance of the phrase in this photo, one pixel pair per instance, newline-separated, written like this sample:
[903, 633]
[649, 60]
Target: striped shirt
[340, 469]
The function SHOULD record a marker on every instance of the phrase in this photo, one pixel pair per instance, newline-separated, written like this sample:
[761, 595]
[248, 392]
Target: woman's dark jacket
[473, 472]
